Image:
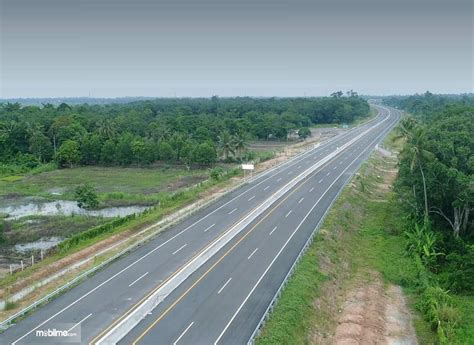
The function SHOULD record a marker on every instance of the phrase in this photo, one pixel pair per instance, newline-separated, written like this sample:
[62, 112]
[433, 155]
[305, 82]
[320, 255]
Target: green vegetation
[115, 186]
[86, 196]
[435, 187]
[100, 230]
[360, 234]
[184, 131]
[419, 236]
[140, 153]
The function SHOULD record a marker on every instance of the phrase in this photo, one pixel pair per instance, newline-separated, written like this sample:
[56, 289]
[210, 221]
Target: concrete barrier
[136, 314]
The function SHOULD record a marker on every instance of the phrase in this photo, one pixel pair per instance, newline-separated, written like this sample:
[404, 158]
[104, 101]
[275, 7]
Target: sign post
[248, 166]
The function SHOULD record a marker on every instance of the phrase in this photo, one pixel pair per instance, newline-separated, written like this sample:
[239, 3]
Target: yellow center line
[136, 305]
[222, 257]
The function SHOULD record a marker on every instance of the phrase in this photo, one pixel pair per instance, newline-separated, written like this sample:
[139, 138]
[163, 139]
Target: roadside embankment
[353, 284]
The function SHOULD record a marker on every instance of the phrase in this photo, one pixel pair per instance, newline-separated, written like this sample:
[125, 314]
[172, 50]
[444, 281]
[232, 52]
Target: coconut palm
[225, 144]
[415, 136]
[239, 143]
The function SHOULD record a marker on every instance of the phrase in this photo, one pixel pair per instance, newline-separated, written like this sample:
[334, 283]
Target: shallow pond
[66, 208]
[41, 244]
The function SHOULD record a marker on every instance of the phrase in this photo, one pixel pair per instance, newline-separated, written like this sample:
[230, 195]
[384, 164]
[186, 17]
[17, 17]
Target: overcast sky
[113, 48]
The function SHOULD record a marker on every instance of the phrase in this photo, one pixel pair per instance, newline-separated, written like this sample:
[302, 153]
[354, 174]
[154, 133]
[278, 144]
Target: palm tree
[225, 144]
[415, 136]
[239, 143]
[107, 129]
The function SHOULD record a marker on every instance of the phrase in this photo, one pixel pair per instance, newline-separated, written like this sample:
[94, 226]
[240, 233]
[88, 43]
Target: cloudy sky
[113, 48]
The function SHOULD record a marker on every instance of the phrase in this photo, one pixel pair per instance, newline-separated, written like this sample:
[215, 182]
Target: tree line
[435, 190]
[189, 131]
[436, 182]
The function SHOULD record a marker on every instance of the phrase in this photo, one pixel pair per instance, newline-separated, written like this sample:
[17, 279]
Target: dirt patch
[374, 314]
[357, 307]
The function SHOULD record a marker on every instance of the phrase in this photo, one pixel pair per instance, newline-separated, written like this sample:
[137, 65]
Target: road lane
[209, 313]
[107, 295]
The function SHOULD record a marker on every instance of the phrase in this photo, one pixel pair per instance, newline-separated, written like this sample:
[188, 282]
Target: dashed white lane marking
[182, 334]
[271, 232]
[84, 319]
[177, 250]
[266, 187]
[252, 253]
[251, 198]
[209, 227]
[312, 188]
[235, 209]
[288, 213]
[138, 279]
[223, 286]
[299, 202]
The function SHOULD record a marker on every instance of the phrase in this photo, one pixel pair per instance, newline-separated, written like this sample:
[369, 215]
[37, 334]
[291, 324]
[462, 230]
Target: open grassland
[114, 185]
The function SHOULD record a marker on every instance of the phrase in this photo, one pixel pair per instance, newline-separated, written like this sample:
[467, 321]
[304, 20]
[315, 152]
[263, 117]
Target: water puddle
[66, 208]
[41, 244]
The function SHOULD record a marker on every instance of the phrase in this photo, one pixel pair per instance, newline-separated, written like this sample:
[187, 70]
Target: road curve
[226, 297]
[224, 301]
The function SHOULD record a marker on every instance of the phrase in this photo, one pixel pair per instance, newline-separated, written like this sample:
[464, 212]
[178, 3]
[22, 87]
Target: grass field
[115, 187]
[111, 183]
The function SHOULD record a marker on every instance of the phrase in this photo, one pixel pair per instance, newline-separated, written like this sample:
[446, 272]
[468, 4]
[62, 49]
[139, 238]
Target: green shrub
[422, 242]
[94, 232]
[86, 196]
[216, 173]
[458, 274]
[438, 309]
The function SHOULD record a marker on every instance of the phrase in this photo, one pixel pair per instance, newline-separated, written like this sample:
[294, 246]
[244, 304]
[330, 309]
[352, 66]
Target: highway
[223, 300]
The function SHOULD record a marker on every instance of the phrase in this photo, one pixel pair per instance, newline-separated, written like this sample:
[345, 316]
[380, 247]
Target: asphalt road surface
[224, 300]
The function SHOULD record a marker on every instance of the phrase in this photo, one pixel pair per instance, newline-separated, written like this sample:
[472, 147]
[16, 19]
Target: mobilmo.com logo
[62, 333]
[54, 333]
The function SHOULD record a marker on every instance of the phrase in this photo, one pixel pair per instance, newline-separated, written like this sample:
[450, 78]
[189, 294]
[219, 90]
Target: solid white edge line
[131, 284]
[348, 144]
[184, 332]
[283, 168]
[286, 243]
[223, 286]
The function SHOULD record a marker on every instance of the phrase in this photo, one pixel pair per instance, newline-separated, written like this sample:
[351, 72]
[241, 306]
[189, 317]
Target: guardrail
[8, 321]
[277, 295]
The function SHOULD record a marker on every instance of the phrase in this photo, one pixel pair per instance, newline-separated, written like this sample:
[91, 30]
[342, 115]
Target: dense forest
[435, 186]
[188, 131]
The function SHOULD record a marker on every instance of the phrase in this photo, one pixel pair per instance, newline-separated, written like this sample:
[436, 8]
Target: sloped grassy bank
[364, 232]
